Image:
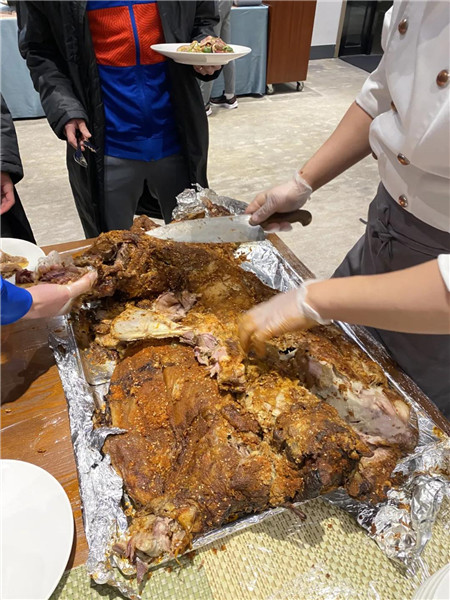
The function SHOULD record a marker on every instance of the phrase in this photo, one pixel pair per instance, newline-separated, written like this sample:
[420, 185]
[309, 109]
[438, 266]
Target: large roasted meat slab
[210, 433]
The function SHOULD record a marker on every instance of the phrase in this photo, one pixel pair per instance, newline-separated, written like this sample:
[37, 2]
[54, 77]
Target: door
[361, 32]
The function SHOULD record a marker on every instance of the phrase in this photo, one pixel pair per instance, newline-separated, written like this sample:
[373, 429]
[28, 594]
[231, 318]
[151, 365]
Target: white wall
[326, 22]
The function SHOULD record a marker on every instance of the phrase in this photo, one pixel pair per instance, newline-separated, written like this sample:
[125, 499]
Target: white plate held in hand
[36, 531]
[200, 58]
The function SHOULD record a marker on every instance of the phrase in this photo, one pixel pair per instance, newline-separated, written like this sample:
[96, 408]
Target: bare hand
[71, 129]
[50, 299]
[7, 193]
[207, 70]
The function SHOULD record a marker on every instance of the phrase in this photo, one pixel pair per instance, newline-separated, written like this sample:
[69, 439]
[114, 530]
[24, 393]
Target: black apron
[395, 239]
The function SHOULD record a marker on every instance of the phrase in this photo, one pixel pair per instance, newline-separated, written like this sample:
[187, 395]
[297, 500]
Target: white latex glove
[51, 300]
[285, 197]
[281, 314]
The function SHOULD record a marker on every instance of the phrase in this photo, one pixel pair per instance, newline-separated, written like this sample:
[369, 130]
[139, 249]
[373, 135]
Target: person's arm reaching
[346, 146]
[414, 300]
[42, 300]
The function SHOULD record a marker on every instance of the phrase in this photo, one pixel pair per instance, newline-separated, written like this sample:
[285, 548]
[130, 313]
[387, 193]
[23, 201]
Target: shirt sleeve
[374, 97]
[15, 302]
[444, 267]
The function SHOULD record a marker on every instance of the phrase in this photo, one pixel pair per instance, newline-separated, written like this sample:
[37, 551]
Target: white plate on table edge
[200, 58]
[436, 587]
[37, 531]
[17, 247]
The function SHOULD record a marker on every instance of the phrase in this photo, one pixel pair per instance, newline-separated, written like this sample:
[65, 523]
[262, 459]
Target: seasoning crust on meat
[211, 434]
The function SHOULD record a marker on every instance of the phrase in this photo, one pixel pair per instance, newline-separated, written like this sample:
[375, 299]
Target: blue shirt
[15, 302]
[139, 119]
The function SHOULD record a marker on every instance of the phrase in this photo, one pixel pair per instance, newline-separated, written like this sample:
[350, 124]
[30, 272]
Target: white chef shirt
[444, 267]
[415, 129]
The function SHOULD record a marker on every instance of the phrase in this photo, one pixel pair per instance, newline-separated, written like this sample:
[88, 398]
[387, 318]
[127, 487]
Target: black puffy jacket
[9, 149]
[55, 40]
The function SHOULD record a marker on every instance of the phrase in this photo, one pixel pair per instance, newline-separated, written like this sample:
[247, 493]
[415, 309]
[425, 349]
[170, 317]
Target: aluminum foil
[401, 526]
[190, 203]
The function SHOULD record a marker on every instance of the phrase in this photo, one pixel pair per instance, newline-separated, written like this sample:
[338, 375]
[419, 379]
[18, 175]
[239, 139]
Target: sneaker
[223, 101]
[208, 109]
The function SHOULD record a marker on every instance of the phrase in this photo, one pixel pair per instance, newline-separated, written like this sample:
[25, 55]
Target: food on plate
[209, 44]
[9, 265]
[52, 268]
[210, 434]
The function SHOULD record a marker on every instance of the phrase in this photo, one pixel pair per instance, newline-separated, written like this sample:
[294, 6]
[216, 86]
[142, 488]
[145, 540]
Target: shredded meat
[9, 265]
[53, 268]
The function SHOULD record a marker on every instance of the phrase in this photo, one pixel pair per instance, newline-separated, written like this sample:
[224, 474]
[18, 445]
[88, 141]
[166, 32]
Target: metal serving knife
[233, 228]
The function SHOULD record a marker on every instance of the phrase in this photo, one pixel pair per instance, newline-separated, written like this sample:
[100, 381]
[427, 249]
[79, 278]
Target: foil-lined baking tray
[401, 525]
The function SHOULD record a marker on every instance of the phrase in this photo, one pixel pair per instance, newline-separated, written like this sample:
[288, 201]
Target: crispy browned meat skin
[372, 478]
[324, 447]
[196, 457]
[338, 371]
[135, 265]
[142, 224]
[210, 210]
[212, 434]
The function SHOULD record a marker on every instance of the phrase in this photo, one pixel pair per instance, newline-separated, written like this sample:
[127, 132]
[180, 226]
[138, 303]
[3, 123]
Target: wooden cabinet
[289, 39]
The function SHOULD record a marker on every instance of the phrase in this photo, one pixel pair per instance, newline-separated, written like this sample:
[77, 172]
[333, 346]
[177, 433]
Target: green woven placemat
[327, 557]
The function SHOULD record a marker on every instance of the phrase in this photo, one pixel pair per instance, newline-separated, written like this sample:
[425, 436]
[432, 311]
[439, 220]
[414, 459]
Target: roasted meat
[9, 265]
[338, 371]
[52, 268]
[194, 457]
[212, 434]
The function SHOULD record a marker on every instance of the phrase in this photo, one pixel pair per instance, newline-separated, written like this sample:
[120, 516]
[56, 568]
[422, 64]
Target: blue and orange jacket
[139, 118]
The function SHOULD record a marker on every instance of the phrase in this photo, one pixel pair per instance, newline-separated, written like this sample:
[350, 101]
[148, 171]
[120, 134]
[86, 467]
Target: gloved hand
[50, 299]
[285, 197]
[282, 313]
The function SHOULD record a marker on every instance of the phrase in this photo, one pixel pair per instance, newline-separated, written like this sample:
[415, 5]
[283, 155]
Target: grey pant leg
[124, 182]
[222, 30]
[206, 88]
[166, 178]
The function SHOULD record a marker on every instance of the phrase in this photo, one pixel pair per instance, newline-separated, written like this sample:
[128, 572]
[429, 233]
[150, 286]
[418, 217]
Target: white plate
[200, 58]
[17, 247]
[436, 587]
[36, 531]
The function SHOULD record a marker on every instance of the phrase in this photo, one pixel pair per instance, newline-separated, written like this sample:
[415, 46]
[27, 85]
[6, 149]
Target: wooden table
[34, 417]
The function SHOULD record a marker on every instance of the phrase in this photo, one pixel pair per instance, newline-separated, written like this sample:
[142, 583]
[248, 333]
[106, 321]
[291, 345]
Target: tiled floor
[251, 148]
